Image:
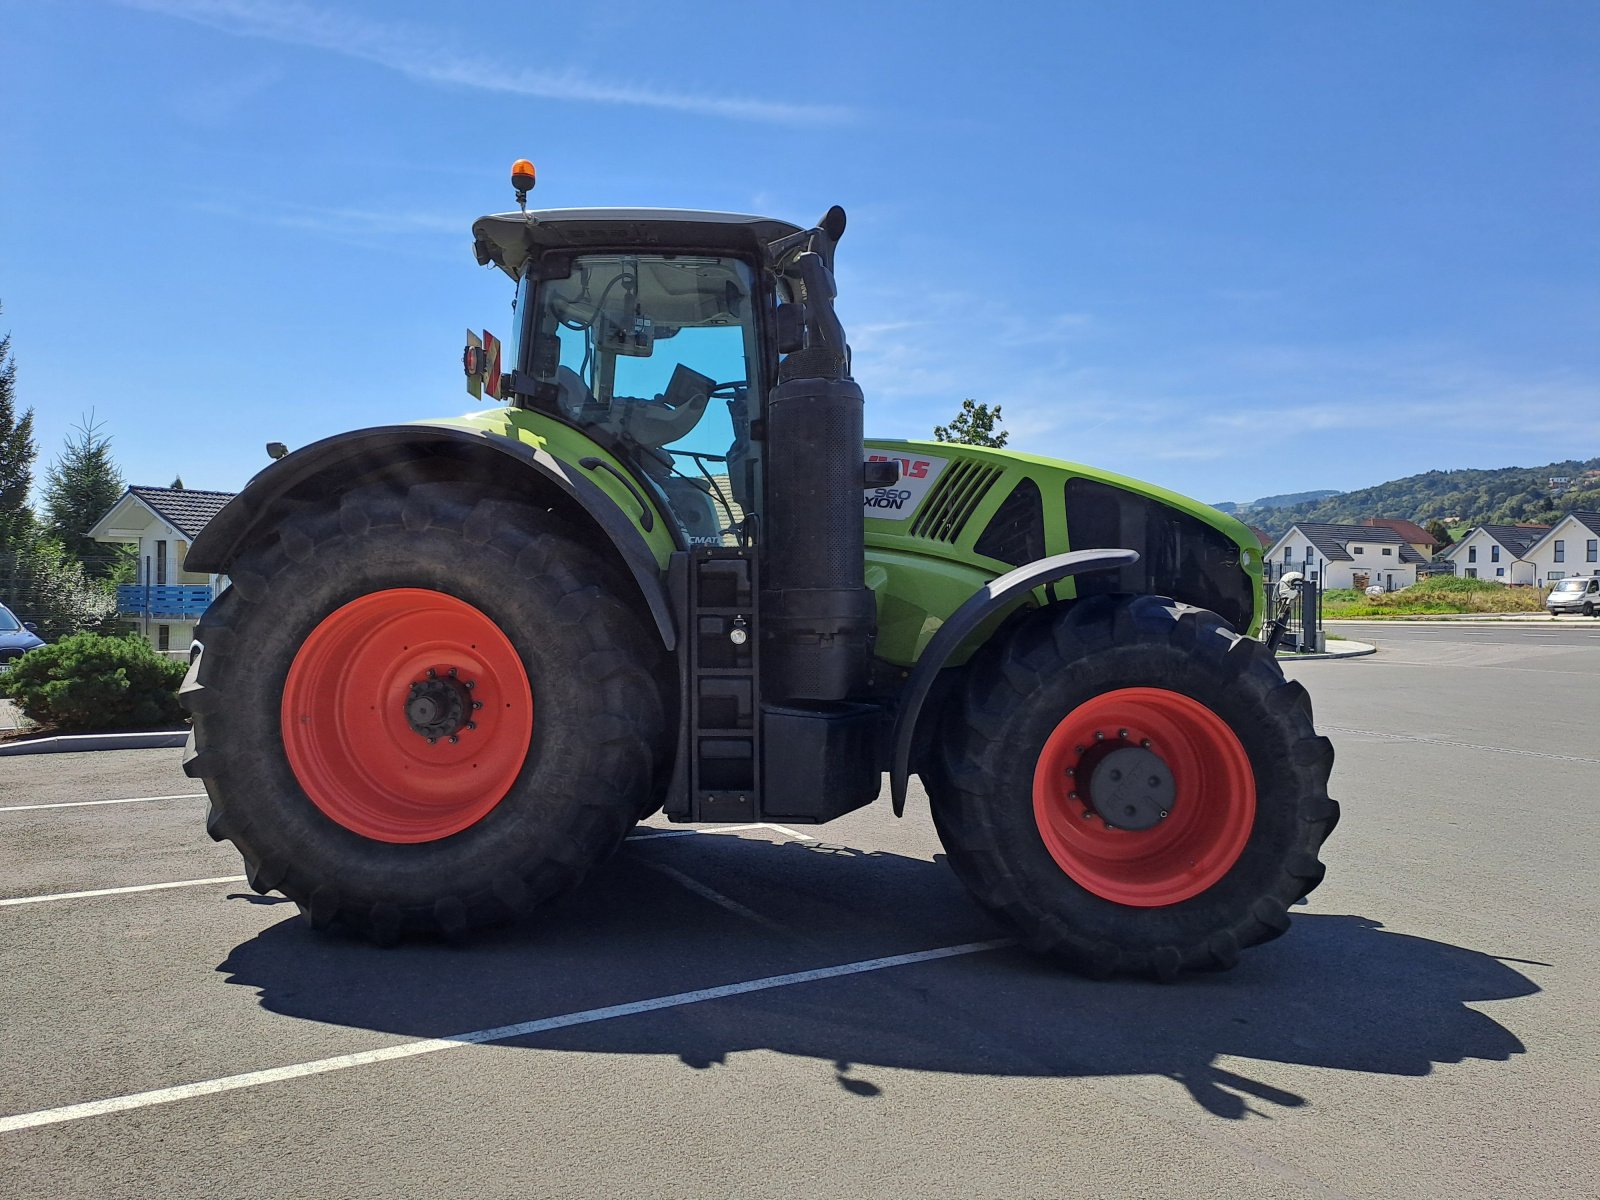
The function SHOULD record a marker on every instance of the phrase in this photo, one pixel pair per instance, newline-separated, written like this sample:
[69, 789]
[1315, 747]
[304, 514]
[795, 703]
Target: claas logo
[910, 468]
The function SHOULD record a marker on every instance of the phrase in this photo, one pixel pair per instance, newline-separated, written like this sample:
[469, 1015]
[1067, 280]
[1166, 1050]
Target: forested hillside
[1510, 495]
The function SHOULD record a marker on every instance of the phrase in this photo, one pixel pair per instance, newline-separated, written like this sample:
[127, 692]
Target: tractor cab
[652, 331]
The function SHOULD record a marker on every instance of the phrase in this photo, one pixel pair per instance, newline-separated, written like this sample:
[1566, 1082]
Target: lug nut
[471, 683]
[1163, 814]
[454, 739]
[1145, 744]
[431, 741]
[1081, 749]
[1072, 795]
[472, 724]
[1098, 736]
[432, 674]
[451, 672]
[1087, 813]
[1123, 734]
[477, 704]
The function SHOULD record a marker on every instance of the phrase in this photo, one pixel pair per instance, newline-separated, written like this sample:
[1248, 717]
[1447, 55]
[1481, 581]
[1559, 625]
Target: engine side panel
[962, 515]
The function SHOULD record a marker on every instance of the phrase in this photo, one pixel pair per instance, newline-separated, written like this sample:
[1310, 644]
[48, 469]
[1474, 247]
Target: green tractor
[460, 659]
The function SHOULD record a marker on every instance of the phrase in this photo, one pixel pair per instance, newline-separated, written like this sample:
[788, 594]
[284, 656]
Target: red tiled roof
[1409, 531]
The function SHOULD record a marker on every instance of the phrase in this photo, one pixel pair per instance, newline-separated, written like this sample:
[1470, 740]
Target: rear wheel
[417, 711]
[1134, 787]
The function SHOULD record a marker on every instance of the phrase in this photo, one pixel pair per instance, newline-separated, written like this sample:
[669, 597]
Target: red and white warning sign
[491, 366]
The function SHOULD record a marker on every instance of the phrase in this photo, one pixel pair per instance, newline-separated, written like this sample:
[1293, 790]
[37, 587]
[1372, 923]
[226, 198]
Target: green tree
[975, 425]
[17, 453]
[82, 485]
[1439, 532]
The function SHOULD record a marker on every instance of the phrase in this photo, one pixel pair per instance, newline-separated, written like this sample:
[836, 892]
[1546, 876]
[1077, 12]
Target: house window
[1388, 550]
[1494, 553]
[1288, 554]
[1499, 570]
[1472, 572]
[1357, 550]
[1561, 550]
[1472, 556]
[161, 564]
[1591, 550]
[1555, 575]
[163, 637]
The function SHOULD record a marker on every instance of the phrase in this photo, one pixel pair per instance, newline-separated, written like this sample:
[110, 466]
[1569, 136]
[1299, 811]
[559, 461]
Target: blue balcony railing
[181, 602]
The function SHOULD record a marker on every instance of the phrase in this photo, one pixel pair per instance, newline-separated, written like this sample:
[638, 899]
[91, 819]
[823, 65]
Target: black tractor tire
[1020, 689]
[600, 722]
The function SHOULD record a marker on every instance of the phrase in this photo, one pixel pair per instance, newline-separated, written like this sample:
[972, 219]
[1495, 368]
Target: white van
[1574, 594]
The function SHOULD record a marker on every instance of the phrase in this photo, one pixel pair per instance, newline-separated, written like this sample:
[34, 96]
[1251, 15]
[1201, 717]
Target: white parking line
[119, 891]
[88, 803]
[645, 834]
[706, 892]
[321, 1066]
[1427, 741]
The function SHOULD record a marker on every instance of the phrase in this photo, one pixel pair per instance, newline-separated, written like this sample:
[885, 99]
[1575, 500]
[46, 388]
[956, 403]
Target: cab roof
[509, 240]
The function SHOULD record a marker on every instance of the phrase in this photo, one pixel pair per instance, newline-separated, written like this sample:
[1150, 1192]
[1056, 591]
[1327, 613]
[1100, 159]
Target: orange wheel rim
[406, 715]
[1144, 796]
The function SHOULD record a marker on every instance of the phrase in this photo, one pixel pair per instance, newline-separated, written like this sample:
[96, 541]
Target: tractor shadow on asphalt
[1336, 991]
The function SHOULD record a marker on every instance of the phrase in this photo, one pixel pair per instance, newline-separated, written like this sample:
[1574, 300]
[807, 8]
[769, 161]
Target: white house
[1497, 552]
[1572, 547]
[1346, 556]
[165, 600]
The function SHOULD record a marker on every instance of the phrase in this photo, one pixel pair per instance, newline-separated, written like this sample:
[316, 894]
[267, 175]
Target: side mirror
[30, 627]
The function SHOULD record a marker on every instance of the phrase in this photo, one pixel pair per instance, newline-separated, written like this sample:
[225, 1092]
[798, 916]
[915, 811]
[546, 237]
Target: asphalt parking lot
[713, 1013]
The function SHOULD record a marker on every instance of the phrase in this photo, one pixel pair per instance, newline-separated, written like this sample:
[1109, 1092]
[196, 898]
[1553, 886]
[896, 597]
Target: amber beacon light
[523, 178]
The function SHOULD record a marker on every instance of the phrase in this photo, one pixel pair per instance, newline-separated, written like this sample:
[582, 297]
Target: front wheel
[1134, 787]
[1588, 608]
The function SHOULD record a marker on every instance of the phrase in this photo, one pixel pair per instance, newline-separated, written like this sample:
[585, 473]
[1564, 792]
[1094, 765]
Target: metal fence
[1304, 631]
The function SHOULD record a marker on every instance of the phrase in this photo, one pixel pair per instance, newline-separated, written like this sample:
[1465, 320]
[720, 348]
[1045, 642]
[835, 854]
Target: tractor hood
[509, 240]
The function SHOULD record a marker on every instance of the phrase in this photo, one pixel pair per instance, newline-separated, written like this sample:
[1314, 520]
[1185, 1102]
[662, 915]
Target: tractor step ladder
[719, 773]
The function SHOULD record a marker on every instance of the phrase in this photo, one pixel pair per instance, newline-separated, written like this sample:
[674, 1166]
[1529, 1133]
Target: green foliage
[82, 485]
[90, 682]
[17, 452]
[1439, 532]
[975, 425]
[1508, 495]
[1435, 594]
[42, 583]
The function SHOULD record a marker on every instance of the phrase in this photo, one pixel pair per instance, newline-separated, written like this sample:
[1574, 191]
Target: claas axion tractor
[459, 659]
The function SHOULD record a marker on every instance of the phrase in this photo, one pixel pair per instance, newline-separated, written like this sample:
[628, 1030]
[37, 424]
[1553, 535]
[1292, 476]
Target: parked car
[1574, 594]
[16, 637]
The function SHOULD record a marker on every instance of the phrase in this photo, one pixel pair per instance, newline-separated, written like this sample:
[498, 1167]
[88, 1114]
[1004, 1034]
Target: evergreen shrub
[92, 682]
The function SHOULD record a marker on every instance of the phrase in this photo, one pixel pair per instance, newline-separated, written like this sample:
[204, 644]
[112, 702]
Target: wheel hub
[441, 706]
[1131, 787]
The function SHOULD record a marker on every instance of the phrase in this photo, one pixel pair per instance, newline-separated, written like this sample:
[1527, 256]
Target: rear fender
[430, 453]
[997, 594]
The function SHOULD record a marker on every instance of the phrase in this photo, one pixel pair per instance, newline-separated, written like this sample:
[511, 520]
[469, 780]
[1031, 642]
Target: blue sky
[1234, 248]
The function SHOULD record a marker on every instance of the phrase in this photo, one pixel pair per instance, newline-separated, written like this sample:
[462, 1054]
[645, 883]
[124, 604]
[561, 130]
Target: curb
[1357, 650]
[73, 743]
[1466, 619]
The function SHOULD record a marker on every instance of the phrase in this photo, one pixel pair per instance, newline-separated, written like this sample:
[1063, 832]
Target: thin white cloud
[422, 54]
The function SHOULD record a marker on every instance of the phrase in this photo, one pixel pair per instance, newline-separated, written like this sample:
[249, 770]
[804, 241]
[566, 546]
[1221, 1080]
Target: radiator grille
[950, 504]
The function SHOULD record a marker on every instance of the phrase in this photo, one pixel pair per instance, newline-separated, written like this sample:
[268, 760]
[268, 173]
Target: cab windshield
[1571, 585]
[8, 623]
[653, 354]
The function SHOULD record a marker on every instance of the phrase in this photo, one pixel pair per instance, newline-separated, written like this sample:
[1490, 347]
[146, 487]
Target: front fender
[999, 592]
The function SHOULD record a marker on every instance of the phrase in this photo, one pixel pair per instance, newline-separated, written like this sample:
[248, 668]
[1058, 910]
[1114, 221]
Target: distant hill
[1509, 495]
[1229, 506]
